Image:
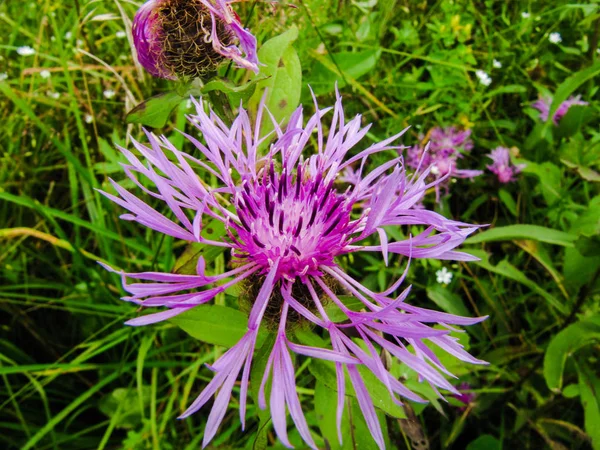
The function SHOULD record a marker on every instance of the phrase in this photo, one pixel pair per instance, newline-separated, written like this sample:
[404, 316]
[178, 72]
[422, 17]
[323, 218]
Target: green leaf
[571, 391]
[234, 93]
[550, 179]
[569, 86]
[155, 111]
[354, 64]
[336, 315]
[589, 388]
[485, 442]
[186, 263]
[564, 344]
[508, 201]
[324, 371]
[124, 403]
[281, 77]
[447, 301]
[355, 433]
[531, 232]
[509, 89]
[507, 270]
[259, 364]
[215, 324]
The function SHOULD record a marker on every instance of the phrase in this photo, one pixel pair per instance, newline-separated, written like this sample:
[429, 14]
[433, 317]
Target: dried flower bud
[189, 38]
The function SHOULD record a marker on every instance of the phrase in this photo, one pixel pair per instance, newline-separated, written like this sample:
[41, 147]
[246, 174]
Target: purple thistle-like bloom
[445, 148]
[502, 167]
[542, 104]
[287, 219]
[189, 38]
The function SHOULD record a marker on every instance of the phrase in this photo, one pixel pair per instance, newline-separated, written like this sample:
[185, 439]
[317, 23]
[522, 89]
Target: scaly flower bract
[189, 38]
[287, 219]
[502, 167]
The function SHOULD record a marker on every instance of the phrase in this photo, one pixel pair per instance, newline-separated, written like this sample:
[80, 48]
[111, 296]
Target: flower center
[186, 37]
[299, 220]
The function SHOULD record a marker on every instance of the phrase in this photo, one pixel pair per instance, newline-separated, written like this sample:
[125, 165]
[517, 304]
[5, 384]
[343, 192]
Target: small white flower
[555, 38]
[443, 276]
[435, 170]
[25, 51]
[483, 77]
[120, 34]
[109, 93]
[45, 74]
[497, 64]
[525, 15]
[54, 95]
[188, 104]
[79, 43]
[68, 35]
[88, 118]
[3, 76]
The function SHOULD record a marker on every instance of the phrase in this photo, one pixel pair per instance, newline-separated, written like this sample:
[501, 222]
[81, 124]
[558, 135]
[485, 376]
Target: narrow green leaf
[569, 86]
[531, 232]
[447, 301]
[485, 442]
[564, 344]
[508, 201]
[323, 79]
[355, 433]
[589, 388]
[507, 270]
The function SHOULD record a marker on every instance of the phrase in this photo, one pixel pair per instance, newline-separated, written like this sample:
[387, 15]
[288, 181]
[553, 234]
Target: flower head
[497, 64]
[542, 104]
[443, 276]
[25, 51]
[287, 223]
[189, 38]
[525, 15]
[483, 77]
[555, 38]
[502, 167]
[445, 148]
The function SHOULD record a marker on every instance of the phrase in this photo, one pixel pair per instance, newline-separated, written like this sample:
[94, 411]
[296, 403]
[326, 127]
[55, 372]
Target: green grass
[73, 376]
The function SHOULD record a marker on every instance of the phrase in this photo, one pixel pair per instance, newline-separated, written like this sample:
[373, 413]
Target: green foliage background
[72, 376]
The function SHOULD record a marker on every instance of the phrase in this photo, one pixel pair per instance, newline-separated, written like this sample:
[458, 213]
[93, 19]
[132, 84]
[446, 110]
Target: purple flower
[287, 220]
[502, 166]
[446, 146]
[189, 38]
[465, 395]
[542, 104]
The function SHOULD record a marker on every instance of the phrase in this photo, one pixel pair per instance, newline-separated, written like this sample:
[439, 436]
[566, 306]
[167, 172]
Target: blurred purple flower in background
[286, 221]
[464, 395]
[542, 104]
[189, 38]
[502, 167]
[446, 146]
